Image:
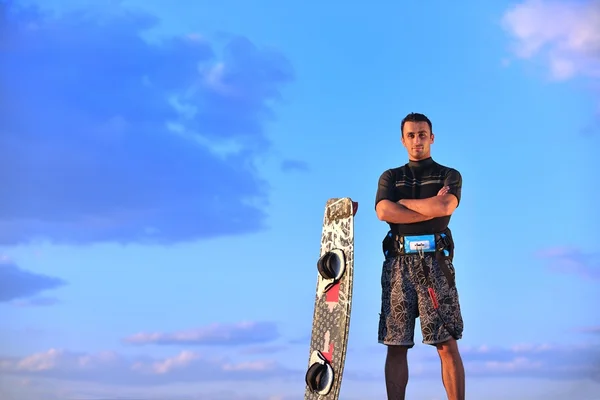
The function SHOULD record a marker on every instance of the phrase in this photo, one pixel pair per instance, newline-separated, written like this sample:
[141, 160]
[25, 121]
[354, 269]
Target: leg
[396, 372]
[453, 372]
[396, 324]
[438, 334]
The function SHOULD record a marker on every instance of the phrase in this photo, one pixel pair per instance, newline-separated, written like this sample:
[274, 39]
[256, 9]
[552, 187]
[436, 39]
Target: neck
[420, 163]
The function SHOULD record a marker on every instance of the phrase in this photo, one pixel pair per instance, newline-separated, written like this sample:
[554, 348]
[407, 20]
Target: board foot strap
[332, 266]
[319, 377]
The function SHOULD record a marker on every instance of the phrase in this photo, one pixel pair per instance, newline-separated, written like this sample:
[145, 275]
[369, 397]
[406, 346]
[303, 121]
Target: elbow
[380, 210]
[447, 208]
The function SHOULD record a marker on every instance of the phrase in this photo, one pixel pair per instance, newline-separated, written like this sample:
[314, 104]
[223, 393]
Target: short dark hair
[415, 117]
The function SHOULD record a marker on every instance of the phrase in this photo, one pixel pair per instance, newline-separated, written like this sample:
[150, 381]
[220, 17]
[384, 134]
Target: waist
[432, 226]
[398, 244]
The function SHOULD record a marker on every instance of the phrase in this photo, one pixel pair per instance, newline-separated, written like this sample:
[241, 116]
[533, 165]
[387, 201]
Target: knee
[397, 352]
[448, 349]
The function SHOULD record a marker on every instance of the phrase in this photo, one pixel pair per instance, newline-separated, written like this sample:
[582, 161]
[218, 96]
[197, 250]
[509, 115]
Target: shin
[396, 372]
[453, 373]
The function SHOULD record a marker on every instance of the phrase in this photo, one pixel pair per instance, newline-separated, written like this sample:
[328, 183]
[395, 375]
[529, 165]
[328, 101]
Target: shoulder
[392, 173]
[445, 170]
[451, 176]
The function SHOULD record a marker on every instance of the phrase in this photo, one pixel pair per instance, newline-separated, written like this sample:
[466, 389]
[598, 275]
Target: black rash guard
[418, 180]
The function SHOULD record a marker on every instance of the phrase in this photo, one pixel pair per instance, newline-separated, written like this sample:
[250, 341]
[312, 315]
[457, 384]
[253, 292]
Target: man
[417, 201]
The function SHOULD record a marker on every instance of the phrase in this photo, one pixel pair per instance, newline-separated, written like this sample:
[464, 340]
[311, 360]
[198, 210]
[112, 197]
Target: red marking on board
[329, 355]
[333, 294]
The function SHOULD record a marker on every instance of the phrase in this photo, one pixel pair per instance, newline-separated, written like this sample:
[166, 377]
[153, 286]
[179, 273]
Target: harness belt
[440, 245]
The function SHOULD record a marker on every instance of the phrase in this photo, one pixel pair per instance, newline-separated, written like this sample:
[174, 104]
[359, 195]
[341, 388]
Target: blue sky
[165, 170]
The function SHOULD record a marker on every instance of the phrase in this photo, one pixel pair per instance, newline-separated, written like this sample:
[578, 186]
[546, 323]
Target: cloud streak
[17, 283]
[36, 302]
[243, 333]
[536, 361]
[569, 260]
[265, 349]
[120, 139]
[526, 361]
[540, 361]
[592, 330]
[294, 166]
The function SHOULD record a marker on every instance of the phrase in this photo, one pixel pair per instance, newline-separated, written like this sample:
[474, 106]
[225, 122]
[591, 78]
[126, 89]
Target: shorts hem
[436, 342]
[389, 343]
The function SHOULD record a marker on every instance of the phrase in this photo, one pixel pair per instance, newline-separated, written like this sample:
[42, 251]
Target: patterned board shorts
[405, 298]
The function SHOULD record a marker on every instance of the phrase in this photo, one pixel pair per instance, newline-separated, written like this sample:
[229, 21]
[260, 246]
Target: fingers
[444, 190]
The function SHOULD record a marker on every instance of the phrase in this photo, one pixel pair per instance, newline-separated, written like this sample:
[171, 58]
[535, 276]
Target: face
[417, 138]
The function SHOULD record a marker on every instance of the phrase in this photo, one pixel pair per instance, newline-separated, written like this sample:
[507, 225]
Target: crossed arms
[408, 211]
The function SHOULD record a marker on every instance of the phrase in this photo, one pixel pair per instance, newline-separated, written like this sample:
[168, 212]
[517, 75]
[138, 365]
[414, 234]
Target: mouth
[417, 148]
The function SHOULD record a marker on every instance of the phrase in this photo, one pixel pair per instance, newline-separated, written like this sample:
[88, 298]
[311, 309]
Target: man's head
[417, 136]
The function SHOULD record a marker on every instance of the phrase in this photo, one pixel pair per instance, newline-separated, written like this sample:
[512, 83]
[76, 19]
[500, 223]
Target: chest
[415, 185]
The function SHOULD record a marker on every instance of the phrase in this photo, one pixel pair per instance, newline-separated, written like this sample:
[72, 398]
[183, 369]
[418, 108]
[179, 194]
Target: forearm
[395, 213]
[437, 206]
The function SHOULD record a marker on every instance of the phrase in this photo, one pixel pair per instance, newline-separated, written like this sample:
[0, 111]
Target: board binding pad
[331, 318]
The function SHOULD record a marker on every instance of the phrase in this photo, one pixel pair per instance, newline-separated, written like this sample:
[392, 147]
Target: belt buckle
[419, 243]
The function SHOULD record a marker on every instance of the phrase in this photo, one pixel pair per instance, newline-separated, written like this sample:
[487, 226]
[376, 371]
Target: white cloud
[47, 389]
[113, 368]
[180, 361]
[564, 34]
[189, 375]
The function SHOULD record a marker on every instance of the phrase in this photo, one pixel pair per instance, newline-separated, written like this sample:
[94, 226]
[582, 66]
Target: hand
[444, 191]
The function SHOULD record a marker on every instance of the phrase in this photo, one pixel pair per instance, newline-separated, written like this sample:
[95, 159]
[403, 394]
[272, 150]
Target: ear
[432, 138]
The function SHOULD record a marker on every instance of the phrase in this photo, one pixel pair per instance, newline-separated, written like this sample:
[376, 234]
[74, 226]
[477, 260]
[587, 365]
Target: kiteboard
[331, 318]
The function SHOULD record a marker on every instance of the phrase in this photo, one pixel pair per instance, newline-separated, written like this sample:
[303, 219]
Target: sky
[165, 167]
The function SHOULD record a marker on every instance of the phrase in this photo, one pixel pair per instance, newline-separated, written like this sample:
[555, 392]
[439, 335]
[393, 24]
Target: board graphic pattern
[331, 319]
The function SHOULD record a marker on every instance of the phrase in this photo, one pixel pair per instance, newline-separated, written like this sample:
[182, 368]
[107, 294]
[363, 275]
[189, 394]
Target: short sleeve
[454, 181]
[385, 187]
